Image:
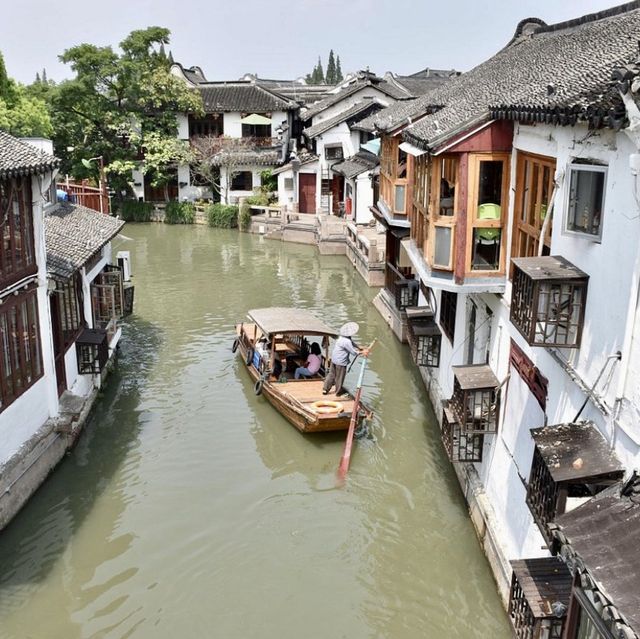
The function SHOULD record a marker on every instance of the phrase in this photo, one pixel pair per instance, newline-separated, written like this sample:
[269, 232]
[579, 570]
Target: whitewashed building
[523, 263]
[51, 261]
[247, 126]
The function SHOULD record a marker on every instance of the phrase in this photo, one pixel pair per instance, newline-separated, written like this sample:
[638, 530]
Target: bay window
[487, 211]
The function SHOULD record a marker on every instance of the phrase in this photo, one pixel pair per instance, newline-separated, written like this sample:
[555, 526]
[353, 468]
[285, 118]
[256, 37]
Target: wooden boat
[283, 334]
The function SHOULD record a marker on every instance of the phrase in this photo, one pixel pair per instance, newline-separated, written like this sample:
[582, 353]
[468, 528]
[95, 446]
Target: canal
[191, 509]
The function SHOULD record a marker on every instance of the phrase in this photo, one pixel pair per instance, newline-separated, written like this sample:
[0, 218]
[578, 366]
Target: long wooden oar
[345, 460]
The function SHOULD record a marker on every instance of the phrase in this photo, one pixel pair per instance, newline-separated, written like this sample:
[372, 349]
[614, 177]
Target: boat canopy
[289, 320]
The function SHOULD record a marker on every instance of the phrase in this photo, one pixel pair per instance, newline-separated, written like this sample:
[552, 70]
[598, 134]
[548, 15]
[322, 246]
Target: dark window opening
[448, 304]
[242, 181]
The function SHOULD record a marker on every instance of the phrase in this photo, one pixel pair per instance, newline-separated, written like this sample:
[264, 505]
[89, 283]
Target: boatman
[342, 351]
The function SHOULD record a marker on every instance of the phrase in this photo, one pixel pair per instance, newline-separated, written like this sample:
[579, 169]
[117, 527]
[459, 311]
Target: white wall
[350, 100]
[364, 198]
[183, 126]
[611, 314]
[24, 416]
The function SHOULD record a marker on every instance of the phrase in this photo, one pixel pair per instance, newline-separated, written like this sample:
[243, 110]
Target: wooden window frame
[23, 357]
[436, 219]
[448, 309]
[70, 308]
[389, 180]
[419, 214]
[16, 229]
[475, 160]
[523, 231]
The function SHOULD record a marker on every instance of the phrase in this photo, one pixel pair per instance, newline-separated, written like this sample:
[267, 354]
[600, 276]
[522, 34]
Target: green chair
[488, 212]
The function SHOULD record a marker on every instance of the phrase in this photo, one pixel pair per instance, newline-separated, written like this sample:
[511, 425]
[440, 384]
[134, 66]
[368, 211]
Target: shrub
[134, 211]
[259, 199]
[222, 215]
[179, 213]
[244, 216]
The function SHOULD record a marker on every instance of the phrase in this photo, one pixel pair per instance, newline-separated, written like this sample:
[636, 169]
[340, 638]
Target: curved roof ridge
[591, 17]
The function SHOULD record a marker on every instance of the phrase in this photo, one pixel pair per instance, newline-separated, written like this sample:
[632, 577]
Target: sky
[279, 39]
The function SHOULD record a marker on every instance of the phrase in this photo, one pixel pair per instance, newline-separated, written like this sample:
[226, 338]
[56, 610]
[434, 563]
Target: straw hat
[349, 329]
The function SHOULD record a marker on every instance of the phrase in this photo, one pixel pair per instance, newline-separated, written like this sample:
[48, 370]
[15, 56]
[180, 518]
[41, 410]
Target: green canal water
[191, 509]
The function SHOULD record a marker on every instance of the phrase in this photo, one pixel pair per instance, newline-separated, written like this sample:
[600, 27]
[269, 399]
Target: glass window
[586, 199]
[448, 305]
[490, 183]
[448, 179]
[442, 246]
[399, 198]
[486, 252]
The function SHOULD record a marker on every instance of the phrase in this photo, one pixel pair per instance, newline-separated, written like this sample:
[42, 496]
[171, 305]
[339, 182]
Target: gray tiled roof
[383, 86]
[423, 81]
[550, 73]
[304, 157]
[19, 158]
[295, 91]
[266, 157]
[245, 97]
[396, 115]
[351, 115]
[73, 234]
[603, 532]
[355, 165]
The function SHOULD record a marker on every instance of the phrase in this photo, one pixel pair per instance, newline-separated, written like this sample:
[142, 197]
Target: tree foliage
[333, 74]
[121, 106]
[21, 113]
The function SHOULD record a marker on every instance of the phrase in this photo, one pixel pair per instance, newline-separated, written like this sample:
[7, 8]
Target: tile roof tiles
[20, 158]
[73, 234]
[245, 97]
[556, 73]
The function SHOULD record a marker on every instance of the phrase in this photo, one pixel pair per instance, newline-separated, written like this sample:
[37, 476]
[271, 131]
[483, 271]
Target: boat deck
[308, 391]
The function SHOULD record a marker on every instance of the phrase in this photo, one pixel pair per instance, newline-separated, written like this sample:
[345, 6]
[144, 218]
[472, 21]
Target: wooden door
[58, 344]
[337, 192]
[307, 190]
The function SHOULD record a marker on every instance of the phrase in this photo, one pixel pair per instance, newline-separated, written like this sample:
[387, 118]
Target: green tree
[339, 76]
[121, 106]
[331, 69]
[318, 73]
[21, 114]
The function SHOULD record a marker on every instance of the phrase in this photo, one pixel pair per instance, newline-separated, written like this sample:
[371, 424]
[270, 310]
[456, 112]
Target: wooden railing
[89, 196]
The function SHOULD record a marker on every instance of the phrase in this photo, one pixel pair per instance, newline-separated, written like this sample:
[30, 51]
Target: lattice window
[475, 400]
[548, 301]
[520, 612]
[17, 255]
[92, 351]
[460, 446]
[20, 352]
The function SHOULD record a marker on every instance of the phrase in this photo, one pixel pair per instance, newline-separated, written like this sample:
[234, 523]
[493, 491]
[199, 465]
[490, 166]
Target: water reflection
[191, 508]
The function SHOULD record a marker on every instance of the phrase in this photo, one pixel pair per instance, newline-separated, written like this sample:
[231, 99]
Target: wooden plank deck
[309, 391]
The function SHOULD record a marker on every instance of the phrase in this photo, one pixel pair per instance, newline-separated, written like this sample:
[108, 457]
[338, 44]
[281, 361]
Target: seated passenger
[276, 370]
[312, 365]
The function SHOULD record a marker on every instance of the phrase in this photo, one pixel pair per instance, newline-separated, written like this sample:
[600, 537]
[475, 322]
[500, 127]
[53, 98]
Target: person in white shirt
[312, 365]
[340, 358]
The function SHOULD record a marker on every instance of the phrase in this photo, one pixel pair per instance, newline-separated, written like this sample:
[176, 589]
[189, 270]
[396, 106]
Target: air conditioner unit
[124, 262]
